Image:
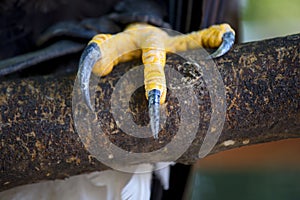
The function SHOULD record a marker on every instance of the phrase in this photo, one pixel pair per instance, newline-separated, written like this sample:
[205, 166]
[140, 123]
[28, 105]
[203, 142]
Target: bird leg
[151, 43]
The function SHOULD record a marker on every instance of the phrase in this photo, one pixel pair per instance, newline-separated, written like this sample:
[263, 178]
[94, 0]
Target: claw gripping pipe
[152, 44]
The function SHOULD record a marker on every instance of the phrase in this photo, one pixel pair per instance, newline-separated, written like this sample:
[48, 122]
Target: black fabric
[178, 180]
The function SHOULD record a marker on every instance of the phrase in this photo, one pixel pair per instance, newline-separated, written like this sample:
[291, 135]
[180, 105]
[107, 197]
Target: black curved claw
[228, 40]
[60, 48]
[154, 111]
[87, 61]
[66, 28]
[85, 29]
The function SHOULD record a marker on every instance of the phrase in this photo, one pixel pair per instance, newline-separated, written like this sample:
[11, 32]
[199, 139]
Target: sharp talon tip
[154, 111]
[228, 40]
[86, 98]
[89, 57]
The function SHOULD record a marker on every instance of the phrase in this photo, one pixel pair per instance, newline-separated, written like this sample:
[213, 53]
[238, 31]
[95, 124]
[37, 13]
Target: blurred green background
[250, 185]
[269, 171]
[263, 19]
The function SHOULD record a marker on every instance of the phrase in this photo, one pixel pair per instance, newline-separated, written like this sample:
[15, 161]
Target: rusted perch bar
[39, 142]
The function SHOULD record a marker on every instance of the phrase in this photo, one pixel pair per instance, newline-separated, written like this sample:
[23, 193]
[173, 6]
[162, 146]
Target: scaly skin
[152, 44]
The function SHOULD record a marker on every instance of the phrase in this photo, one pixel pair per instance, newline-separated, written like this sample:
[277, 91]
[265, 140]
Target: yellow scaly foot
[105, 51]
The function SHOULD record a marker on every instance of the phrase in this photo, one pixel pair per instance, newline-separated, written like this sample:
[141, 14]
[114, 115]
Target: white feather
[139, 186]
[163, 173]
[76, 187]
[109, 185]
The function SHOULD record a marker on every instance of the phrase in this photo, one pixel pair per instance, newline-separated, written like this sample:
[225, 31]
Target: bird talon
[91, 54]
[227, 43]
[154, 111]
[154, 44]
